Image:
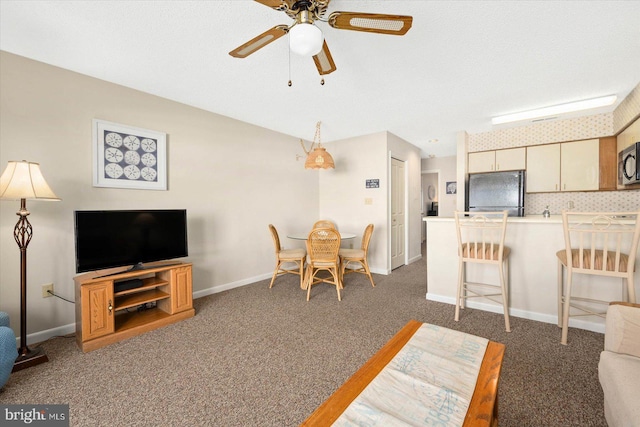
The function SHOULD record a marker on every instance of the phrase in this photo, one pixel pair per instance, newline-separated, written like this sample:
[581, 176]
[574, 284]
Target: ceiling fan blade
[324, 61]
[371, 22]
[277, 4]
[259, 42]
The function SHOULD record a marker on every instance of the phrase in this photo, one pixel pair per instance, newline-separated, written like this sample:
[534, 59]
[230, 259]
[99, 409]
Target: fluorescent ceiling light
[556, 109]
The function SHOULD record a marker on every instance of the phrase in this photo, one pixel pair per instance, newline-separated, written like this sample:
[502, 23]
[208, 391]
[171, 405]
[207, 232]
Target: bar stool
[597, 243]
[481, 240]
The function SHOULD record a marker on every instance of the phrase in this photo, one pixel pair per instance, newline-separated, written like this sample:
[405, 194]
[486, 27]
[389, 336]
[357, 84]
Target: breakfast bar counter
[533, 271]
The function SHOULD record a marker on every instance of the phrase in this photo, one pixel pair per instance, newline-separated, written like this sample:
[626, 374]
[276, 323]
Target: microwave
[629, 164]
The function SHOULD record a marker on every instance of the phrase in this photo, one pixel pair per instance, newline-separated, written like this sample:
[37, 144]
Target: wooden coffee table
[483, 408]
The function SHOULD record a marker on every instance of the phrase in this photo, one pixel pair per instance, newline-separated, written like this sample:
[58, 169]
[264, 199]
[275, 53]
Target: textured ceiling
[461, 63]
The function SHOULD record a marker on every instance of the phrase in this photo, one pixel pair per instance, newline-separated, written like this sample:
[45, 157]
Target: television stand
[139, 267]
[105, 315]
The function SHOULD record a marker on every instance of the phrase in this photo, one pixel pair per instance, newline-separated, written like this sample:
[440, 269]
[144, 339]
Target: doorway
[398, 230]
[430, 194]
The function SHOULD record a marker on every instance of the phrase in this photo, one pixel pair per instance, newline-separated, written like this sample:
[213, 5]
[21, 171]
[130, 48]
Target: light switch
[368, 201]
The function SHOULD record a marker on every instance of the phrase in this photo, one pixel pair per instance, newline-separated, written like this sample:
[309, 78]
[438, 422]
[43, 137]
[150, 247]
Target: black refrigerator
[496, 191]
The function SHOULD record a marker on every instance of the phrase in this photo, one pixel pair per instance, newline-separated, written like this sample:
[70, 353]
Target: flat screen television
[116, 238]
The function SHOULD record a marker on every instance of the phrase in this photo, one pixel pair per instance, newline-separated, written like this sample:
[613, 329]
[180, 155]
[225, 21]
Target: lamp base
[29, 358]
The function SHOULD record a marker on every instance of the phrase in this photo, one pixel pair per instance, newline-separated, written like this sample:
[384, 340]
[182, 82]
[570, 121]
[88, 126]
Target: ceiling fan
[307, 39]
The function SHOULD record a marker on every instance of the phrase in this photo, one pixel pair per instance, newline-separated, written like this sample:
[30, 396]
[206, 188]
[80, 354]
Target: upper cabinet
[498, 160]
[580, 165]
[629, 136]
[543, 168]
[569, 166]
[624, 139]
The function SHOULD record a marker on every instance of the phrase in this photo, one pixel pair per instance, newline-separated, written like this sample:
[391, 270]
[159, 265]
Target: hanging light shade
[319, 158]
[305, 39]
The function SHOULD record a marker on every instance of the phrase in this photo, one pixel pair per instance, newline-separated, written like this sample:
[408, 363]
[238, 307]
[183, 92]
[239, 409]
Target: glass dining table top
[303, 236]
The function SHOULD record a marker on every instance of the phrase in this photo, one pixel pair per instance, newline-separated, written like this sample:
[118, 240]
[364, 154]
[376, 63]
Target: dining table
[303, 236]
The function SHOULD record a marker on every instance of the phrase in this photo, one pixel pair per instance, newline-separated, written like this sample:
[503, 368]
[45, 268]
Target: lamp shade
[319, 158]
[305, 39]
[23, 180]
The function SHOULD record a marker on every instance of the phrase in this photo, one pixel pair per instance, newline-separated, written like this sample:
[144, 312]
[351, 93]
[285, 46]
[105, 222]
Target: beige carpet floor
[255, 356]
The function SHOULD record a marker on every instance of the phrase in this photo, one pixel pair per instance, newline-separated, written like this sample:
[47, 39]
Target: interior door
[397, 214]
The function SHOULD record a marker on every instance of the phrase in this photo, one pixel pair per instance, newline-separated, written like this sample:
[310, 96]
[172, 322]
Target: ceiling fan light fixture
[305, 39]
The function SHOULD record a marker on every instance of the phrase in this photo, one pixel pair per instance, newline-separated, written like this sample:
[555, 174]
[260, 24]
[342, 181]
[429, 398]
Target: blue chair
[8, 351]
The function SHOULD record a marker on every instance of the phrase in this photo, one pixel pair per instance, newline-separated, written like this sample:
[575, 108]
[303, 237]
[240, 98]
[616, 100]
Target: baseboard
[231, 285]
[44, 335]
[539, 317]
[40, 336]
[414, 259]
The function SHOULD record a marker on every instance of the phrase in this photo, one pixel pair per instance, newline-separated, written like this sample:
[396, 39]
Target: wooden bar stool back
[596, 243]
[481, 240]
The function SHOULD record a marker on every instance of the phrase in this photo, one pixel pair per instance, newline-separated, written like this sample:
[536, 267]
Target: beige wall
[233, 178]
[343, 192]
[447, 168]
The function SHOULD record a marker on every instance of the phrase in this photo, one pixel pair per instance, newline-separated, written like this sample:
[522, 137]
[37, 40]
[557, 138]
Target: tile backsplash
[588, 201]
[574, 129]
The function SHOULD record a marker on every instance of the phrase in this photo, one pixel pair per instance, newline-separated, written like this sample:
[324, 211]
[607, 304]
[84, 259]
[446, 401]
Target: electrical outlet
[45, 290]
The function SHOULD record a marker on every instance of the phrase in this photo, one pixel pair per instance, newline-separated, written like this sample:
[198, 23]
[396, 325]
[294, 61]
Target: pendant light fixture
[318, 157]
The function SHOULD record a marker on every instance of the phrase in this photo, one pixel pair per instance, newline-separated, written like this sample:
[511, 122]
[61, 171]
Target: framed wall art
[452, 187]
[128, 157]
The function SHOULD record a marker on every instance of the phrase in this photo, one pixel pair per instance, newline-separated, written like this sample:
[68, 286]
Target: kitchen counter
[529, 218]
[534, 241]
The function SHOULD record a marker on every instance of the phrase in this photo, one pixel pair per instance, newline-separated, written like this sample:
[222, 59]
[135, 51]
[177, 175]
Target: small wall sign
[373, 183]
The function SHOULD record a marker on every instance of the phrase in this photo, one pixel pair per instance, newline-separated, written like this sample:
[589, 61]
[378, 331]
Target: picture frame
[128, 157]
[452, 187]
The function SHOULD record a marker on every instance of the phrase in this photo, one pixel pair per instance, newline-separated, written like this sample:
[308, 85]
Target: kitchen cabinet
[608, 163]
[568, 166]
[543, 168]
[580, 165]
[498, 160]
[624, 139]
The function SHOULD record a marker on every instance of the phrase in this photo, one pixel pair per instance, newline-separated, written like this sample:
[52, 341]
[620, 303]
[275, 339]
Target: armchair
[8, 351]
[619, 367]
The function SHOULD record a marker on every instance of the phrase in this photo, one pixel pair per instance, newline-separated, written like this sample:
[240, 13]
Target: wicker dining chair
[601, 244]
[283, 256]
[323, 245]
[324, 223]
[358, 256]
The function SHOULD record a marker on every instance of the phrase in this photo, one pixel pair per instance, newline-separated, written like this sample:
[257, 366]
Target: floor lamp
[21, 181]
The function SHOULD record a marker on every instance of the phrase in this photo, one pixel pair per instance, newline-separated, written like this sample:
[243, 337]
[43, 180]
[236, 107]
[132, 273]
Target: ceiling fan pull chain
[289, 53]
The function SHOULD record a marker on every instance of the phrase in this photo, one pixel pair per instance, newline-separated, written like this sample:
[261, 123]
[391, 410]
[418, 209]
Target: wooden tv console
[104, 316]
